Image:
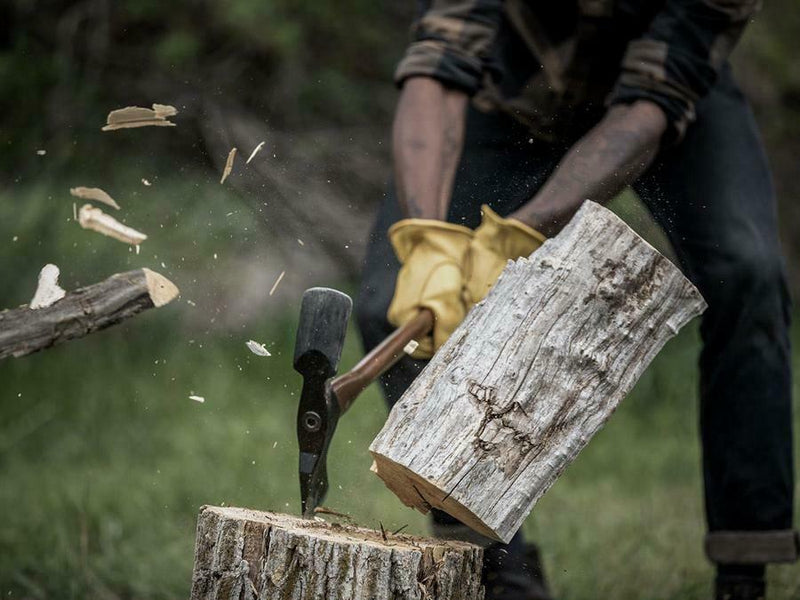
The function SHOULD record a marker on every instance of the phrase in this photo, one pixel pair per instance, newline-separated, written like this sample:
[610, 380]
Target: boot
[739, 587]
[514, 572]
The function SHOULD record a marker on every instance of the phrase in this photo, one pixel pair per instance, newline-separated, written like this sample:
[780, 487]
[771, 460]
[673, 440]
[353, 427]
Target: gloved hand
[496, 240]
[432, 254]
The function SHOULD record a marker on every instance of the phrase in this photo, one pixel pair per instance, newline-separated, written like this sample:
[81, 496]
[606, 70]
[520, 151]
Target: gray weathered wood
[244, 554]
[121, 296]
[532, 374]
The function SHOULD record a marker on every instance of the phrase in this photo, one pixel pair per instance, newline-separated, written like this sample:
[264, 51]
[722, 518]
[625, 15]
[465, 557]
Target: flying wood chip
[228, 165]
[93, 218]
[254, 152]
[48, 291]
[94, 194]
[137, 116]
[257, 349]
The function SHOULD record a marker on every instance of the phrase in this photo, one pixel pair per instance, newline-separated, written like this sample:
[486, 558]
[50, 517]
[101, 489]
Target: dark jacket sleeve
[452, 43]
[677, 61]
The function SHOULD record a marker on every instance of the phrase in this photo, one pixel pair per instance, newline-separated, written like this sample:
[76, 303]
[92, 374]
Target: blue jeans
[713, 196]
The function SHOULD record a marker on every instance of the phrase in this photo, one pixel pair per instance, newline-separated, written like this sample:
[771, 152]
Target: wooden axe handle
[349, 385]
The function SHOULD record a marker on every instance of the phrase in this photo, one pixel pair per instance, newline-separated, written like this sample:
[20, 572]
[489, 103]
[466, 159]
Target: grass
[104, 460]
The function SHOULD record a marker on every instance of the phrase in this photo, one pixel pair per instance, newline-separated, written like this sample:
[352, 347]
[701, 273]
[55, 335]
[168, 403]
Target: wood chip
[254, 152]
[257, 349]
[137, 116]
[277, 281]
[48, 291]
[199, 399]
[94, 194]
[164, 110]
[228, 165]
[411, 346]
[95, 219]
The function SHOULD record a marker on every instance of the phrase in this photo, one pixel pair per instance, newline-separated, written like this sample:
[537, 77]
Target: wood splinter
[95, 219]
[48, 291]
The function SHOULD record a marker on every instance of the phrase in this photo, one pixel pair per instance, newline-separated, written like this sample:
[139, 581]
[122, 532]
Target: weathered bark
[244, 554]
[121, 296]
[532, 374]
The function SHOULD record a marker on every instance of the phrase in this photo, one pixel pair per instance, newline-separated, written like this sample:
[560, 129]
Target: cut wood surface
[121, 296]
[245, 554]
[532, 374]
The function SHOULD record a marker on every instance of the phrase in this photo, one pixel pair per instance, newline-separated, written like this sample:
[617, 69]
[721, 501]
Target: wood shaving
[48, 291]
[199, 399]
[95, 219]
[137, 116]
[41, 152]
[164, 110]
[277, 281]
[254, 152]
[94, 194]
[257, 349]
[228, 165]
[411, 346]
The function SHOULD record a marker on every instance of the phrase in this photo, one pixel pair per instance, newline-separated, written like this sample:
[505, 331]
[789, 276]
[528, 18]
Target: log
[532, 374]
[121, 296]
[244, 554]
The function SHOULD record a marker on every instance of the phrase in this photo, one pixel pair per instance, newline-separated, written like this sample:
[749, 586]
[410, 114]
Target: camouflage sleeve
[451, 42]
[677, 61]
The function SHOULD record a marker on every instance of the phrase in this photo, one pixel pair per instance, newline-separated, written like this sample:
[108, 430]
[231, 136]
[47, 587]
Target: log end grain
[421, 494]
[162, 290]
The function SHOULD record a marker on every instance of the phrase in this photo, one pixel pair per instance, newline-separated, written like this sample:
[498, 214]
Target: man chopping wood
[510, 115]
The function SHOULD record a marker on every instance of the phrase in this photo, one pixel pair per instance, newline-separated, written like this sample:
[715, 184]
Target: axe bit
[324, 315]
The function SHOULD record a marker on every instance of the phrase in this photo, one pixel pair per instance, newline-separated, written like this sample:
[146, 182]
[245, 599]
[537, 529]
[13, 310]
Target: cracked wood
[244, 554]
[532, 373]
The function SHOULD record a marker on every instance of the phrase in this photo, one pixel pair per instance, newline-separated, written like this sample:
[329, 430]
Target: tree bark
[532, 374]
[245, 554]
[24, 330]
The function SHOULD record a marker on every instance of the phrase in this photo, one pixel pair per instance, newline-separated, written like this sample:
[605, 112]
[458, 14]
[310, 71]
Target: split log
[121, 296]
[532, 374]
[245, 554]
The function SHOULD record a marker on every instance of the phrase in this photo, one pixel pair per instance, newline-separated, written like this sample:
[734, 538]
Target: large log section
[246, 555]
[532, 373]
[24, 330]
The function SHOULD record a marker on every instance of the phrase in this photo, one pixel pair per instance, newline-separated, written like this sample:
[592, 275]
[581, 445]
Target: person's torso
[559, 60]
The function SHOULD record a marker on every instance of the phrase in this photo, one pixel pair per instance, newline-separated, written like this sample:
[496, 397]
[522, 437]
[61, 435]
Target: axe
[324, 314]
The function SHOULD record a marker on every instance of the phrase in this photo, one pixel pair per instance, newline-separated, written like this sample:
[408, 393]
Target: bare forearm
[427, 140]
[609, 157]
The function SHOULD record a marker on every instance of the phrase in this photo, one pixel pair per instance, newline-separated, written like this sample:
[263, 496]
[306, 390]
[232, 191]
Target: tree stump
[244, 554]
[532, 374]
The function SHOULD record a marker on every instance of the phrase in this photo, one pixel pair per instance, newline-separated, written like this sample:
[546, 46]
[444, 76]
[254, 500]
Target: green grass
[105, 461]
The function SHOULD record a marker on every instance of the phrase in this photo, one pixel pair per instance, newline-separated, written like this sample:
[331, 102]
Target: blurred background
[104, 459]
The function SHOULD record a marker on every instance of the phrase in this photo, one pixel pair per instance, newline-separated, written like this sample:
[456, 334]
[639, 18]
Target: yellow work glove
[432, 255]
[496, 241]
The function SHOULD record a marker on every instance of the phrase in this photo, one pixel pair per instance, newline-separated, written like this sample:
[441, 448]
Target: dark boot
[740, 587]
[513, 572]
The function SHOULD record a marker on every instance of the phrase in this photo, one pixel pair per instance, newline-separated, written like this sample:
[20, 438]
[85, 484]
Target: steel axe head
[324, 314]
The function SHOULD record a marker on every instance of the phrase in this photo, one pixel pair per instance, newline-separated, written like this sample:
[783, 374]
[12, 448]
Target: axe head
[324, 314]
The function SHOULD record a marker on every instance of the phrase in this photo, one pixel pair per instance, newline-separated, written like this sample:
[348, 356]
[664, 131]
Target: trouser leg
[714, 197]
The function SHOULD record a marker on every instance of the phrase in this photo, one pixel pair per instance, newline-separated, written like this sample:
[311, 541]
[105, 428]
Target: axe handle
[349, 385]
